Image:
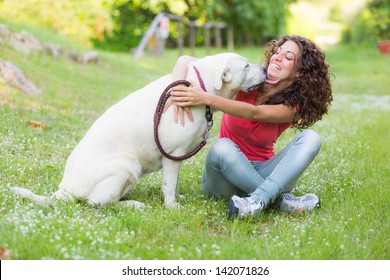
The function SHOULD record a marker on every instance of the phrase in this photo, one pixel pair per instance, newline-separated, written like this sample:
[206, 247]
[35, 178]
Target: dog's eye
[247, 66]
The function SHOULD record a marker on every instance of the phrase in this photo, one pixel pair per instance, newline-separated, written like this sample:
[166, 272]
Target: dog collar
[209, 113]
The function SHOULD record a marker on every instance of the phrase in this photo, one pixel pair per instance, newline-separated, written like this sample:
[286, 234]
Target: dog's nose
[265, 69]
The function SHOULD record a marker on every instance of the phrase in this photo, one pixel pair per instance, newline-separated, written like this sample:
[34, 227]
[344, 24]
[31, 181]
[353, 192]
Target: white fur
[119, 148]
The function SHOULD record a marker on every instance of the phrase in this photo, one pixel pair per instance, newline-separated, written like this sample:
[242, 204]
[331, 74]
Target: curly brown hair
[311, 92]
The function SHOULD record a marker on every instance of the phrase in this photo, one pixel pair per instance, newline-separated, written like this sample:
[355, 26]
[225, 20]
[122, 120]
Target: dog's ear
[222, 75]
[227, 75]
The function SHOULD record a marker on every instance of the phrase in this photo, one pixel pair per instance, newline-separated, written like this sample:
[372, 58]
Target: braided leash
[157, 117]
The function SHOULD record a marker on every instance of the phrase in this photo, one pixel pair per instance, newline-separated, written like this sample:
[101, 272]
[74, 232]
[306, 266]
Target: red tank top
[255, 139]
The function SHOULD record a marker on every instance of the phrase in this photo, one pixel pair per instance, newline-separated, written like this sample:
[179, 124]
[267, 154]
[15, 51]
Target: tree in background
[79, 20]
[120, 24]
[254, 22]
[372, 24]
[380, 18]
[130, 20]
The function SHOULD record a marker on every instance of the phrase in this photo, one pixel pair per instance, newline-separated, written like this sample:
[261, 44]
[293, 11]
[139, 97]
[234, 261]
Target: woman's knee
[311, 140]
[223, 147]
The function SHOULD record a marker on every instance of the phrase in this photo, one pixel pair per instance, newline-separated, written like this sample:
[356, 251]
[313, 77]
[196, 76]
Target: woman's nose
[278, 56]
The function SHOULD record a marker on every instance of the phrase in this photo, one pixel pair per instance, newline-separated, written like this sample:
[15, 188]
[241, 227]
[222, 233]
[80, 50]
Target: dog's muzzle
[252, 88]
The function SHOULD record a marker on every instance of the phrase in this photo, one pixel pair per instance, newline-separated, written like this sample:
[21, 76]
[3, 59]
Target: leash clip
[206, 134]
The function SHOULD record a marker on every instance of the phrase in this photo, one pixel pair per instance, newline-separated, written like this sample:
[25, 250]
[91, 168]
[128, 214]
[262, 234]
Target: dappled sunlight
[322, 21]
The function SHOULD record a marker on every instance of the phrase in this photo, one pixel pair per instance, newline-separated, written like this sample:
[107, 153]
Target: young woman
[241, 165]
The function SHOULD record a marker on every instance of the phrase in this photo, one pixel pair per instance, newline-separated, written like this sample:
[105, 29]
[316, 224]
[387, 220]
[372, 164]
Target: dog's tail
[40, 199]
[25, 193]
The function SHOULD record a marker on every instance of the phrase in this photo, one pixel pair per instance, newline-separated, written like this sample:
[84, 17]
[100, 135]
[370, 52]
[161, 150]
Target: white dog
[119, 148]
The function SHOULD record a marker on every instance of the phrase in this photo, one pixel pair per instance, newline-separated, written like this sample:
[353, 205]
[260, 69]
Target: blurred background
[120, 25]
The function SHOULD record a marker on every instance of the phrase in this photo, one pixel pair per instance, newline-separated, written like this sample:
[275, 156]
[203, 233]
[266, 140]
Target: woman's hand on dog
[185, 96]
[182, 97]
[178, 112]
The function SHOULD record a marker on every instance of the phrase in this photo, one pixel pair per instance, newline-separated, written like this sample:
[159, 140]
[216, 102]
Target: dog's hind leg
[112, 189]
[133, 204]
[171, 171]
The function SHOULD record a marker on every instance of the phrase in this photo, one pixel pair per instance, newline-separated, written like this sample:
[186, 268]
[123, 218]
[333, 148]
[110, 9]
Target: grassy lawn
[351, 173]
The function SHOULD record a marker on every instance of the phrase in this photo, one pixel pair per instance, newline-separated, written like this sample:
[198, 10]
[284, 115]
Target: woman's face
[283, 66]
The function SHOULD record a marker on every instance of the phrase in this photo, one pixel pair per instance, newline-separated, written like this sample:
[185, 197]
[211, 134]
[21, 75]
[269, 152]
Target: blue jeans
[228, 171]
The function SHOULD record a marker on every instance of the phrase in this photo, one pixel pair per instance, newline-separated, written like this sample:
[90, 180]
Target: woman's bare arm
[179, 72]
[192, 96]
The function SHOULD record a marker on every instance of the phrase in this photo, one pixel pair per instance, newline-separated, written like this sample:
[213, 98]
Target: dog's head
[227, 73]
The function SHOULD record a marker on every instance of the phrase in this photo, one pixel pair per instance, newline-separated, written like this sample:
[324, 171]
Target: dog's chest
[149, 165]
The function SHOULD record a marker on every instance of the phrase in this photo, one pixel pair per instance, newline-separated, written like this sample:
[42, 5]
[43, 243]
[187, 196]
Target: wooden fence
[158, 32]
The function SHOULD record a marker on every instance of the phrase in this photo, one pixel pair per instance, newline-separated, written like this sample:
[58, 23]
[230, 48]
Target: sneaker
[290, 203]
[243, 206]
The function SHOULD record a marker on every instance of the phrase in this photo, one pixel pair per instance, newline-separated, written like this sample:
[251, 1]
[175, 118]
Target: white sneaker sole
[299, 204]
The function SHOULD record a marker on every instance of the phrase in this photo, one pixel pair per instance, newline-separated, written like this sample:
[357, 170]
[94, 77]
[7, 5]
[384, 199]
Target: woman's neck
[269, 89]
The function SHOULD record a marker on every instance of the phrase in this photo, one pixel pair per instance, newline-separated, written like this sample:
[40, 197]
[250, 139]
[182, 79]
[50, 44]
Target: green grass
[351, 173]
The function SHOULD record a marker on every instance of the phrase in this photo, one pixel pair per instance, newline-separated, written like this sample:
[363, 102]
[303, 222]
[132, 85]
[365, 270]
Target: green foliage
[371, 25]
[258, 20]
[380, 18]
[262, 20]
[119, 25]
[78, 19]
[131, 20]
